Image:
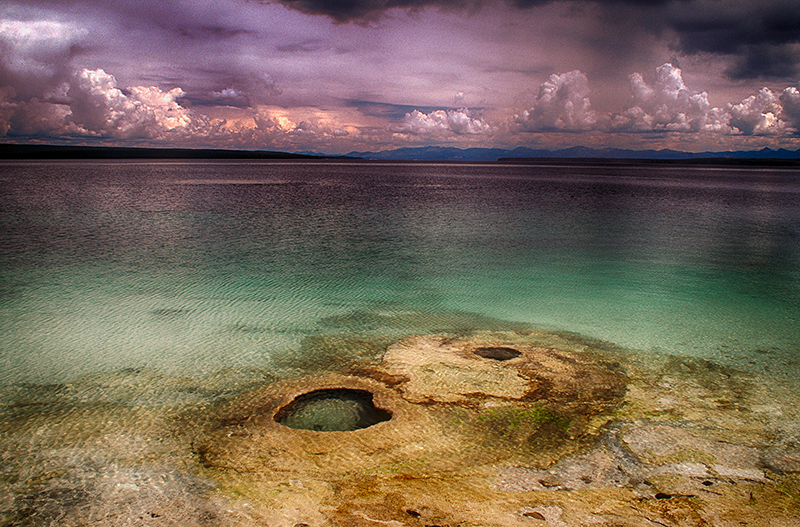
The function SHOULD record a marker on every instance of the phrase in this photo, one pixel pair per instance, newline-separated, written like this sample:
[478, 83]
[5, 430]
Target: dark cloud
[725, 31]
[766, 61]
[355, 10]
[758, 36]
[307, 46]
[233, 89]
[237, 72]
[389, 111]
[349, 10]
[209, 32]
[159, 18]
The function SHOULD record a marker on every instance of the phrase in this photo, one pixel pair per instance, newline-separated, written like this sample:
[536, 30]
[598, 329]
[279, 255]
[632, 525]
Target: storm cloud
[760, 37]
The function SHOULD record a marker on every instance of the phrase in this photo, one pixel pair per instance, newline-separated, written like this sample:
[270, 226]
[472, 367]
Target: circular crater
[497, 352]
[332, 410]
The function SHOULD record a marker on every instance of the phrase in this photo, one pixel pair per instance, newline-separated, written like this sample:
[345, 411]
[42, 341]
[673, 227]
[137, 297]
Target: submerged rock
[497, 369]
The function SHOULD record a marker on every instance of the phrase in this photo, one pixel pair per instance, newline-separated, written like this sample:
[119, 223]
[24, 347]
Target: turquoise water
[192, 269]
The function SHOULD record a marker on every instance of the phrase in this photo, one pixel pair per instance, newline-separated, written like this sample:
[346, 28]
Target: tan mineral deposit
[520, 428]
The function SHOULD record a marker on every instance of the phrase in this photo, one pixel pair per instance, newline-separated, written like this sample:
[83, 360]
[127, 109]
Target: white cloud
[668, 105]
[269, 121]
[99, 107]
[562, 104]
[166, 111]
[759, 114]
[442, 122]
[230, 94]
[90, 102]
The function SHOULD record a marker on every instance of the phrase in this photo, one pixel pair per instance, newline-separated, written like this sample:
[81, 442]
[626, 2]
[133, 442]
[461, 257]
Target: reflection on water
[138, 299]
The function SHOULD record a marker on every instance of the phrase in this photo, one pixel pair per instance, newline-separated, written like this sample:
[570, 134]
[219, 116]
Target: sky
[334, 77]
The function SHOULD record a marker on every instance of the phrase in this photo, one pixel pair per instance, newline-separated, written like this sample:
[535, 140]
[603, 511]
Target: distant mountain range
[578, 154]
[438, 153]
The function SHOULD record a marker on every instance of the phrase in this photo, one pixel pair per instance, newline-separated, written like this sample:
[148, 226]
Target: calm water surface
[193, 269]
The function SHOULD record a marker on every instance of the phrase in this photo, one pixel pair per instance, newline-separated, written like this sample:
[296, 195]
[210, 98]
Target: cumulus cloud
[442, 122]
[562, 104]
[99, 107]
[668, 105]
[766, 113]
[92, 104]
[39, 117]
[228, 94]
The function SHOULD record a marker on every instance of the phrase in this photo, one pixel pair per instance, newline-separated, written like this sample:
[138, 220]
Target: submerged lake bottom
[346, 344]
[572, 431]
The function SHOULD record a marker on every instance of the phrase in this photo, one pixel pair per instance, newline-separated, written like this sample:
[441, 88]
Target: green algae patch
[508, 421]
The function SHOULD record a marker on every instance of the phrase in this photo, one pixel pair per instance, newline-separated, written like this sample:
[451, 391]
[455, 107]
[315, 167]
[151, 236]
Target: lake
[169, 286]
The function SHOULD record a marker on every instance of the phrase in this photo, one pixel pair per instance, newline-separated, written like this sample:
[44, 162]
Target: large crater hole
[332, 410]
[497, 353]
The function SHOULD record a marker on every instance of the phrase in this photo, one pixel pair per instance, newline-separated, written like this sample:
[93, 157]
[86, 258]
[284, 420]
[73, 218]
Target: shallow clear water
[194, 268]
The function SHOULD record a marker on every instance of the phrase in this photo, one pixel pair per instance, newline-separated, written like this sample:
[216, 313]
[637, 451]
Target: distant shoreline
[63, 152]
[27, 152]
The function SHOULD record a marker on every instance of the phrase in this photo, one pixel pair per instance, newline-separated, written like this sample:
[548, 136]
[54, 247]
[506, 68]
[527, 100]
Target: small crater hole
[332, 410]
[497, 353]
